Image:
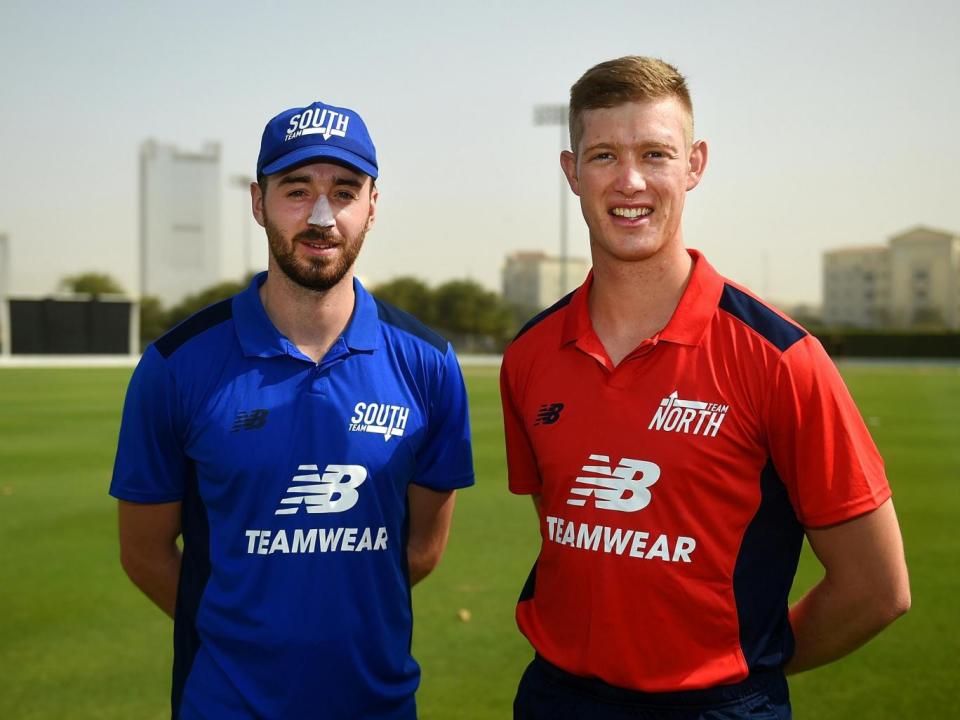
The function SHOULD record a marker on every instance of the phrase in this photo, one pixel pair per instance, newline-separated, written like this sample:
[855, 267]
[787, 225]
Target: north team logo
[249, 420]
[316, 121]
[624, 488]
[548, 413]
[691, 417]
[333, 492]
[379, 418]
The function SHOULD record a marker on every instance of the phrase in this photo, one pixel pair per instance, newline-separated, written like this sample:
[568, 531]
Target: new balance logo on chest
[329, 495]
[691, 417]
[624, 488]
[333, 492]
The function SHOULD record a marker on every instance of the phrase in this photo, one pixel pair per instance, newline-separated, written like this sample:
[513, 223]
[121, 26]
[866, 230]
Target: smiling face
[632, 170]
[316, 217]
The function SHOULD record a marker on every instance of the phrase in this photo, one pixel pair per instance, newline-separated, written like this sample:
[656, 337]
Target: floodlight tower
[556, 114]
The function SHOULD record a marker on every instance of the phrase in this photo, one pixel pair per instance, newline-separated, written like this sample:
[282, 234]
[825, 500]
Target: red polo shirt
[675, 486]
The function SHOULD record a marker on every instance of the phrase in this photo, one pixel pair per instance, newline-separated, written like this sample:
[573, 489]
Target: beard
[313, 273]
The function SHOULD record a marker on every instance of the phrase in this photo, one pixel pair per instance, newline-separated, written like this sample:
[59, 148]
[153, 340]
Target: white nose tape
[322, 215]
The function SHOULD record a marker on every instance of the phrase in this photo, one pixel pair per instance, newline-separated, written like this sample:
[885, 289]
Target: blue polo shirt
[294, 598]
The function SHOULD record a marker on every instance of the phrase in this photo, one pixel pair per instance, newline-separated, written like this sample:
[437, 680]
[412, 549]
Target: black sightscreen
[69, 327]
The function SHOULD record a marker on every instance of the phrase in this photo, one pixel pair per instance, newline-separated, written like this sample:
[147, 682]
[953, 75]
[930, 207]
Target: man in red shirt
[679, 438]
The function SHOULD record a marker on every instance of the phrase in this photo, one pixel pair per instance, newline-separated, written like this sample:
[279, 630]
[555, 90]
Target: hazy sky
[828, 123]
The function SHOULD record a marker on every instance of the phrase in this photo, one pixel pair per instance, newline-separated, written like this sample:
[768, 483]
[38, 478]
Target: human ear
[568, 163]
[256, 202]
[697, 163]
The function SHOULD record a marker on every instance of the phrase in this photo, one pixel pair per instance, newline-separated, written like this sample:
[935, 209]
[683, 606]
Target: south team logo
[333, 492]
[316, 121]
[624, 488]
[379, 418]
[692, 417]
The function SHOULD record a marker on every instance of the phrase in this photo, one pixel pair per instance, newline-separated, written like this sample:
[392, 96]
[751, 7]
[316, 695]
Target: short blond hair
[632, 78]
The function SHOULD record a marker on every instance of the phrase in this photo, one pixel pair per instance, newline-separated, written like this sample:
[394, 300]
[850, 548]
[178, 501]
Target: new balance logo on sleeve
[623, 488]
[548, 413]
[249, 420]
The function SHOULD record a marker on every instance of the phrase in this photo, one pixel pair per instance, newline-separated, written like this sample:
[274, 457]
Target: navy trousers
[548, 693]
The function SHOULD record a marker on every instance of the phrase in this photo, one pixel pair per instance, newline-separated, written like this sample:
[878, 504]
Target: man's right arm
[523, 476]
[148, 549]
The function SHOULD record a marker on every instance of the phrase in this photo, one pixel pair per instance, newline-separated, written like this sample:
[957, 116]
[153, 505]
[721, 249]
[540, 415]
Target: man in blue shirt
[306, 441]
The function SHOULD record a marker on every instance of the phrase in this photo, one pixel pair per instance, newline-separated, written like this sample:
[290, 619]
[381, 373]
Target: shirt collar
[363, 330]
[260, 338]
[689, 320]
[577, 322]
[698, 304]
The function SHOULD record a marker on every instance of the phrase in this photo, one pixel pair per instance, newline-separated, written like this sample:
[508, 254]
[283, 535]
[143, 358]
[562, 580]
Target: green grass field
[78, 641]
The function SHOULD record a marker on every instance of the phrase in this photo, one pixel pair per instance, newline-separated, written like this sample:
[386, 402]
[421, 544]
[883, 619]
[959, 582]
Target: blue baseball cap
[316, 132]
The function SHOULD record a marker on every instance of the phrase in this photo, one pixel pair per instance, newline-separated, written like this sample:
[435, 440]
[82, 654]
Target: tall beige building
[913, 281]
[534, 280]
[925, 278]
[179, 220]
[856, 287]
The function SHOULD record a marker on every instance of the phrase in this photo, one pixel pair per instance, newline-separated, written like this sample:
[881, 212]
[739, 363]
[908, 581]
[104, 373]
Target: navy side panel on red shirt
[763, 576]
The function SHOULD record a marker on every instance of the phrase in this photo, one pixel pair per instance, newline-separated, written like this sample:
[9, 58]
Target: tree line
[473, 318]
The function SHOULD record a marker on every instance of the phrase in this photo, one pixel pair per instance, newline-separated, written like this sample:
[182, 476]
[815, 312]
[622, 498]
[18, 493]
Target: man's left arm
[431, 513]
[444, 464]
[865, 588]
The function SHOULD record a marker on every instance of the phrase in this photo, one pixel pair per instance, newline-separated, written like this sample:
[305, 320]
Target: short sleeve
[445, 461]
[522, 474]
[819, 443]
[150, 466]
